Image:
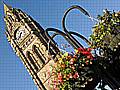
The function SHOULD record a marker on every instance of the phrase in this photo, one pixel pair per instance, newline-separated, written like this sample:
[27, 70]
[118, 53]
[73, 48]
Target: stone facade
[30, 43]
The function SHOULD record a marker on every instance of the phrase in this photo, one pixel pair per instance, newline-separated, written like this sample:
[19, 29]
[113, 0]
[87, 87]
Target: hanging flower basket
[106, 40]
[106, 33]
[72, 70]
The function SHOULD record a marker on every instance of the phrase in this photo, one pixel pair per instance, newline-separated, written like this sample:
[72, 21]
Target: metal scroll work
[102, 75]
[68, 35]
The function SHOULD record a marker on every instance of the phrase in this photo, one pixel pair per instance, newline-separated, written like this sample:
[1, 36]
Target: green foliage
[72, 71]
[106, 33]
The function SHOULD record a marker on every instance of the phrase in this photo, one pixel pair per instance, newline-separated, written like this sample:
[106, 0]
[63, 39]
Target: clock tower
[30, 43]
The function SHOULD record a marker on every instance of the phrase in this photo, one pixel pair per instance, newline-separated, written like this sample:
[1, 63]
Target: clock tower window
[31, 26]
[10, 18]
[32, 61]
[39, 54]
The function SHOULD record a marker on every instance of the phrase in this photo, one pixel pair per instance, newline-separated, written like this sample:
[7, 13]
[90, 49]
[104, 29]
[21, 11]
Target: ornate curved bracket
[74, 41]
[101, 73]
[68, 34]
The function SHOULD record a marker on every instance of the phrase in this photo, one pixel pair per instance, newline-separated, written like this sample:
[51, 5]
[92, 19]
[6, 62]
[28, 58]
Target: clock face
[20, 34]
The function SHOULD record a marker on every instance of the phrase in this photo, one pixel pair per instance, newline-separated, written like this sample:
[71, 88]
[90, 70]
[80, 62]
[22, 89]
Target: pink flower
[55, 82]
[72, 61]
[54, 86]
[70, 75]
[88, 56]
[87, 62]
[60, 80]
[73, 67]
[76, 75]
[56, 89]
[59, 75]
[48, 73]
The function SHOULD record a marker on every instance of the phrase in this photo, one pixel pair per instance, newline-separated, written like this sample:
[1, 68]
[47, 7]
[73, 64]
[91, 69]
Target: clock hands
[20, 35]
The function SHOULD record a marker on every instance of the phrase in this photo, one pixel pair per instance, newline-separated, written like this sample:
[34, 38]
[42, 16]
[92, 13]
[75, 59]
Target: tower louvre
[30, 43]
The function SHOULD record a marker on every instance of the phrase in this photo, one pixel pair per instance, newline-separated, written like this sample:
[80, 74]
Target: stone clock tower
[29, 42]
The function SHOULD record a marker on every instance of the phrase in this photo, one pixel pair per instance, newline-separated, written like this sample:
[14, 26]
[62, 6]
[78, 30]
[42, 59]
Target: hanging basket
[106, 39]
[73, 70]
[81, 70]
[106, 33]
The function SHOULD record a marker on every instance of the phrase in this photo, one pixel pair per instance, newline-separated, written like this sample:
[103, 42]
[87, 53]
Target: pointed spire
[6, 8]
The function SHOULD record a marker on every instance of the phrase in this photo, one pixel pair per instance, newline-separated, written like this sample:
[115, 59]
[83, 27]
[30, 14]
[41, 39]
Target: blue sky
[13, 75]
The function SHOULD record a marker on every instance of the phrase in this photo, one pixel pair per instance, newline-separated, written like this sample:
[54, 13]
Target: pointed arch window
[32, 61]
[10, 18]
[39, 54]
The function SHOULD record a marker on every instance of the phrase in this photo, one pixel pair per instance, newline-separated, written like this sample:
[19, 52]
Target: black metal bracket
[68, 35]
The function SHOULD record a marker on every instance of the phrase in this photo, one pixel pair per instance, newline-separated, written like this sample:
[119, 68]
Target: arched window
[39, 54]
[32, 61]
[10, 18]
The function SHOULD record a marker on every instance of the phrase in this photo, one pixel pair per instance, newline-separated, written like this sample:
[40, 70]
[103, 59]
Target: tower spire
[6, 8]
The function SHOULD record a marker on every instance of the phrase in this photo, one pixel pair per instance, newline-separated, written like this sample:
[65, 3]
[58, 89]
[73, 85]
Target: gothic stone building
[30, 43]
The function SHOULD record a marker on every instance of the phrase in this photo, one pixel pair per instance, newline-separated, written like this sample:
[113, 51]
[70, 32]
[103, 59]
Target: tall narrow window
[32, 60]
[10, 17]
[39, 54]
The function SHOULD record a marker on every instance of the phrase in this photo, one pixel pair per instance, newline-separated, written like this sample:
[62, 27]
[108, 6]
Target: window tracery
[39, 54]
[32, 61]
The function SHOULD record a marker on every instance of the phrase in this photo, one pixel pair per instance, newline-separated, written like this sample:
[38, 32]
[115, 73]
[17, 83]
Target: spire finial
[6, 7]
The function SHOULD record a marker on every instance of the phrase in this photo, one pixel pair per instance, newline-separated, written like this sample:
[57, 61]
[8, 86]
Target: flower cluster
[106, 33]
[72, 71]
[106, 41]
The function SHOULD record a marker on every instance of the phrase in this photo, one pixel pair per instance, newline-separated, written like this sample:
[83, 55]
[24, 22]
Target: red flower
[60, 80]
[55, 82]
[86, 53]
[90, 57]
[87, 62]
[89, 49]
[59, 75]
[80, 49]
